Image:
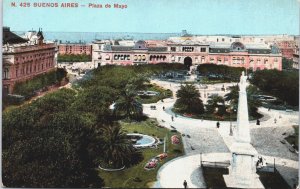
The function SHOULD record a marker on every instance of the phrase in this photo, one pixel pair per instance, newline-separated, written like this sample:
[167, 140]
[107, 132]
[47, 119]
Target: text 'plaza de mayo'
[31, 55]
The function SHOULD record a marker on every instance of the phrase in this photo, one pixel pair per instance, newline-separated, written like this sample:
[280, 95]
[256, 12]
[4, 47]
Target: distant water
[88, 37]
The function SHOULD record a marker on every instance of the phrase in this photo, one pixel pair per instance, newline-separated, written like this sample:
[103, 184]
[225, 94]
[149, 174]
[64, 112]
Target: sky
[158, 16]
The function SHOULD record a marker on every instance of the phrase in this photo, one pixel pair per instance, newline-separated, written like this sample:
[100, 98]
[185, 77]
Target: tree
[253, 103]
[282, 84]
[45, 147]
[127, 103]
[216, 102]
[117, 148]
[287, 63]
[96, 100]
[138, 82]
[188, 100]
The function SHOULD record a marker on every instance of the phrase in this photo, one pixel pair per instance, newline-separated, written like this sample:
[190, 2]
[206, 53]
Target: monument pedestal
[242, 170]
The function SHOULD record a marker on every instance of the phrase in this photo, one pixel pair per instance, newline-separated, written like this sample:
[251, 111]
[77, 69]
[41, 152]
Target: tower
[40, 37]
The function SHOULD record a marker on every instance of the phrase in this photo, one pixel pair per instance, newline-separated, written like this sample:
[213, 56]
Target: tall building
[23, 58]
[255, 56]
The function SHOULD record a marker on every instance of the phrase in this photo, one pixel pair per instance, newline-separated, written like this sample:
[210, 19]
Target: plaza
[214, 143]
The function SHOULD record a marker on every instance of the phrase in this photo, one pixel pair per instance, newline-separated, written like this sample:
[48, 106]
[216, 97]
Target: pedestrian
[218, 124]
[185, 184]
[275, 120]
[257, 122]
[163, 108]
[172, 117]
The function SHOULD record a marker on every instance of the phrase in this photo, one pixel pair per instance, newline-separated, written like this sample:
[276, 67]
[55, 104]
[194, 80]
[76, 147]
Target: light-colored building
[23, 59]
[253, 56]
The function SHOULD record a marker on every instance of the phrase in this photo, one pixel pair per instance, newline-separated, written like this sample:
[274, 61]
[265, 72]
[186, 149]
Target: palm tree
[188, 100]
[216, 101]
[127, 103]
[138, 82]
[117, 149]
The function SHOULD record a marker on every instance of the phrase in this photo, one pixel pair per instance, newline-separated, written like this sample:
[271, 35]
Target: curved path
[205, 138]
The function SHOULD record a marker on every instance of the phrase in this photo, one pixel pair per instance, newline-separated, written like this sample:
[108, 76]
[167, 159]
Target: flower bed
[151, 164]
[175, 139]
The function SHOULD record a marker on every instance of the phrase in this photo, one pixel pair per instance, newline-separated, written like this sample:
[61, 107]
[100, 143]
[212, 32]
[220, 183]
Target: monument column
[242, 170]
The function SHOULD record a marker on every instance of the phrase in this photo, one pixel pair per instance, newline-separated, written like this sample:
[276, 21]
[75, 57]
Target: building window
[234, 60]
[202, 59]
[173, 49]
[219, 61]
[258, 61]
[275, 60]
[6, 73]
[225, 60]
[203, 49]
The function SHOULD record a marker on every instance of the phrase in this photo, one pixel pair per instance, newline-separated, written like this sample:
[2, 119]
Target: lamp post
[230, 130]
[230, 111]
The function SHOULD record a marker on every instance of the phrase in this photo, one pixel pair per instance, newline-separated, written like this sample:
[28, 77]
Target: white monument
[242, 170]
[192, 73]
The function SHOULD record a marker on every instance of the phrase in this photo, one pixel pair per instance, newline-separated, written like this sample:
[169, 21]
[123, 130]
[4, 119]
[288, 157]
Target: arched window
[6, 73]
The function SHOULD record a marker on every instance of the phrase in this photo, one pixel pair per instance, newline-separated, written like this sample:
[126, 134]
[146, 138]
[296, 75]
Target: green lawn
[125, 178]
[153, 99]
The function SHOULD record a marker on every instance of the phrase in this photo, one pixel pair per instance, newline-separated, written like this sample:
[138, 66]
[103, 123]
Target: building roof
[219, 50]
[121, 48]
[159, 49]
[11, 38]
[259, 51]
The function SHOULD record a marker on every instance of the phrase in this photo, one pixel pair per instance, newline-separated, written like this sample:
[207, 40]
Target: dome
[140, 45]
[237, 46]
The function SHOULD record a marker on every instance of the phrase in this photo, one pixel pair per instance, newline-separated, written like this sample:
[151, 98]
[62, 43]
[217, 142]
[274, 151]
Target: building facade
[24, 59]
[74, 48]
[236, 54]
[287, 48]
[296, 53]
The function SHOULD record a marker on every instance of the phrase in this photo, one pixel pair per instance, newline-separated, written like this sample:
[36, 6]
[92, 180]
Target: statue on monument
[243, 82]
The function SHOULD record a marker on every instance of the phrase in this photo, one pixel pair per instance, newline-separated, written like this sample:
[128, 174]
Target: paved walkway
[173, 173]
[207, 139]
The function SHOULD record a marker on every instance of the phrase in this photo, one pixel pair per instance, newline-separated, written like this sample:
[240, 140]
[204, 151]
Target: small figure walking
[257, 122]
[218, 124]
[185, 184]
[163, 108]
[275, 120]
[172, 118]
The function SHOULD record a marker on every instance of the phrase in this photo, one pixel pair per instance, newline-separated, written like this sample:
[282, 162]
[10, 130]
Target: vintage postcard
[150, 94]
